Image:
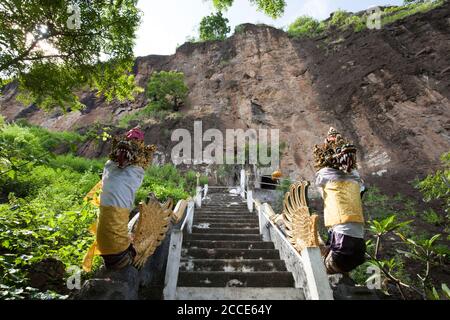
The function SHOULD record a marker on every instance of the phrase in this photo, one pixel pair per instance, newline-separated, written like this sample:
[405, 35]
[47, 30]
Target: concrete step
[224, 212]
[224, 206]
[226, 219]
[228, 244]
[232, 265]
[235, 279]
[210, 221]
[219, 236]
[205, 293]
[230, 218]
[230, 225]
[226, 253]
[226, 230]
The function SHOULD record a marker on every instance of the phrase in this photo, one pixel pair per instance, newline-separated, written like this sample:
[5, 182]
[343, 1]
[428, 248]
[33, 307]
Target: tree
[167, 90]
[305, 26]
[273, 8]
[55, 47]
[214, 27]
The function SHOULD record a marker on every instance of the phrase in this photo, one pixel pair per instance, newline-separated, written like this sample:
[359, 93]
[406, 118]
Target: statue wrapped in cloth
[341, 188]
[122, 176]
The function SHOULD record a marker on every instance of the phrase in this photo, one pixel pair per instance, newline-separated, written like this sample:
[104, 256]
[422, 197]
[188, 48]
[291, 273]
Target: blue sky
[167, 23]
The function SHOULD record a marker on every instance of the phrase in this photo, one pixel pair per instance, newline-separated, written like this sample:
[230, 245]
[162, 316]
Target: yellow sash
[111, 234]
[342, 203]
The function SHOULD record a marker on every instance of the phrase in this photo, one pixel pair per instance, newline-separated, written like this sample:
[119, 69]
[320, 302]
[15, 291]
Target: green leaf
[434, 238]
[445, 290]
[6, 244]
[435, 294]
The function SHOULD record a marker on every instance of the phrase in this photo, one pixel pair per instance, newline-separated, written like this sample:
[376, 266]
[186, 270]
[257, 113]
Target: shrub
[410, 8]
[167, 90]
[430, 216]
[78, 164]
[165, 182]
[214, 27]
[339, 19]
[357, 23]
[305, 26]
[152, 110]
[239, 29]
[437, 186]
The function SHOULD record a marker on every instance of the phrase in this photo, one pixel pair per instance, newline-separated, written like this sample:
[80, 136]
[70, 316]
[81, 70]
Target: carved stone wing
[301, 227]
[179, 210]
[150, 231]
[168, 204]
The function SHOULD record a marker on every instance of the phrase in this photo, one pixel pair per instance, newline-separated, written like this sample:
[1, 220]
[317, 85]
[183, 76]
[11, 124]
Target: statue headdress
[131, 149]
[336, 152]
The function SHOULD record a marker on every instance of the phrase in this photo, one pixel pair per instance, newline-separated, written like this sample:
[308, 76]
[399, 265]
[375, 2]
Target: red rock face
[386, 90]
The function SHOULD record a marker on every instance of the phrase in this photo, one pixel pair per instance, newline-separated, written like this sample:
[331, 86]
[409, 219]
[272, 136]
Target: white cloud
[319, 9]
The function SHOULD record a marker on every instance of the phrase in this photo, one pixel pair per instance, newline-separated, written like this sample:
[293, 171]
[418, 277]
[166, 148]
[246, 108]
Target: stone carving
[150, 230]
[300, 225]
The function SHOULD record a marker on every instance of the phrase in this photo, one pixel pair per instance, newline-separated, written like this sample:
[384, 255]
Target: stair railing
[306, 267]
[176, 244]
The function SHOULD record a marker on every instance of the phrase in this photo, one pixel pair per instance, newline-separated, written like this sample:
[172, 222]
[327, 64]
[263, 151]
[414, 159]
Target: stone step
[227, 253]
[235, 279]
[224, 212]
[228, 244]
[230, 217]
[224, 205]
[226, 230]
[226, 219]
[255, 293]
[219, 236]
[232, 265]
[225, 225]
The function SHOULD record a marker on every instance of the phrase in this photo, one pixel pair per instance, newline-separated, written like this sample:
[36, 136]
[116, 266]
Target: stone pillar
[242, 184]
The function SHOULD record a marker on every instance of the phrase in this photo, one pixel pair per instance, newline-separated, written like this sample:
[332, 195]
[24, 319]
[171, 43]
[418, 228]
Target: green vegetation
[167, 92]
[42, 209]
[394, 243]
[306, 26]
[432, 217]
[167, 182]
[239, 29]
[214, 27]
[437, 186]
[150, 111]
[282, 188]
[309, 27]
[410, 8]
[425, 253]
[272, 8]
[52, 50]
[42, 213]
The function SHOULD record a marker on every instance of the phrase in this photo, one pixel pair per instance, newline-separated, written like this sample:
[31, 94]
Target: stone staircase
[225, 258]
